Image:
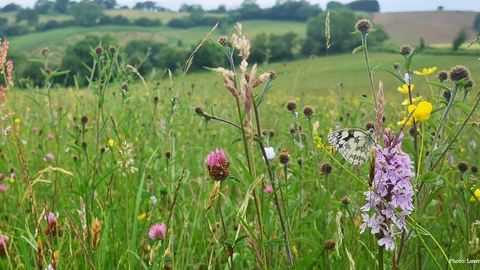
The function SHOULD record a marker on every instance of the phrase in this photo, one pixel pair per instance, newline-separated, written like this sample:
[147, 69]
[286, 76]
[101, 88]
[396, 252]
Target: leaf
[395, 75]
[447, 128]
[234, 179]
[236, 141]
[375, 68]
[219, 46]
[35, 61]
[361, 47]
[409, 59]
[395, 50]
[431, 178]
[462, 106]
[439, 85]
[240, 239]
[229, 243]
[101, 101]
[274, 242]
[366, 100]
[58, 73]
[245, 171]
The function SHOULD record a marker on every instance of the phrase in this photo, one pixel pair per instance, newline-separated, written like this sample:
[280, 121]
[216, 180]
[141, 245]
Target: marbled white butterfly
[354, 144]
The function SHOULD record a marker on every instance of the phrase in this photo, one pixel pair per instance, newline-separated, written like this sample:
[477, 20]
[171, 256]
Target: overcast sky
[385, 5]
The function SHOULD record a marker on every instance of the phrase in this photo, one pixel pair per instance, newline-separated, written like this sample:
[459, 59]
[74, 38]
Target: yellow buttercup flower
[404, 88]
[111, 142]
[477, 196]
[422, 111]
[426, 71]
[405, 121]
[407, 101]
[17, 120]
[142, 216]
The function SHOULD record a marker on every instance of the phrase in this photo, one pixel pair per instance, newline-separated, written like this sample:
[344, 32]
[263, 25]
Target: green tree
[30, 15]
[11, 7]
[86, 13]
[106, 4]
[44, 6]
[333, 5]
[207, 56]
[364, 5]
[476, 22]
[459, 39]
[341, 26]
[171, 57]
[62, 6]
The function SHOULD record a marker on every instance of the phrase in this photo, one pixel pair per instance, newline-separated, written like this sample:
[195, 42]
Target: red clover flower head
[218, 166]
[3, 244]
[391, 189]
[157, 231]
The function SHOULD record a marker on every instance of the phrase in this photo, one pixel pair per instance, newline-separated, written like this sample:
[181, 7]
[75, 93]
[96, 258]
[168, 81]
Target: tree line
[88, 13]
[147, 55]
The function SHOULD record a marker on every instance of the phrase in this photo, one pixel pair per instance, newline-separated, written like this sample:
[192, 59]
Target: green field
[164, 17]
[87, 172]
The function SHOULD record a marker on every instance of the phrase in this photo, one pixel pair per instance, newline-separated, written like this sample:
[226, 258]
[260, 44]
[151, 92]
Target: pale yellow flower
[404, 88]
[407, 101]
[426, 71]
[477, 196]
[422, 111]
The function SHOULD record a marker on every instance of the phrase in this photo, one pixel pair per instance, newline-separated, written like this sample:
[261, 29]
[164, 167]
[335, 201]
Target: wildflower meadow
[244, 166]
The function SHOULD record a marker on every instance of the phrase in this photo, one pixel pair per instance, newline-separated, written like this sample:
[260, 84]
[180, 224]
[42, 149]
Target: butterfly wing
[355, 145]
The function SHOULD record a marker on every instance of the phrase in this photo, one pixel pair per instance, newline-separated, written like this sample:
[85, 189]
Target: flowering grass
[126, 173]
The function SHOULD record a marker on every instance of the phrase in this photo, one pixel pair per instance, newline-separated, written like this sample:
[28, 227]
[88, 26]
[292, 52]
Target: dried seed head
[308, 111]
[99, 50]
[345, 200]
[468, 84]
[369, 125]
[413, 132]
[84, 120]
[447, 94]
[474, 169]
[222, 40]
[363, 26]
[325, 167]
[405, 50]
[291, 106]
[45, 52]
[300, 161]
[329, 244]
[273, 74]
[112, 49]
[198, 110]
[442, 75]
[458, 73]
[271, 133]
[284, 158]
[462, 166]
[396, 66]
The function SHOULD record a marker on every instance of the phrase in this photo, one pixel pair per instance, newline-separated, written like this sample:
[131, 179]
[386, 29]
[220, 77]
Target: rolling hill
[435, 27]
